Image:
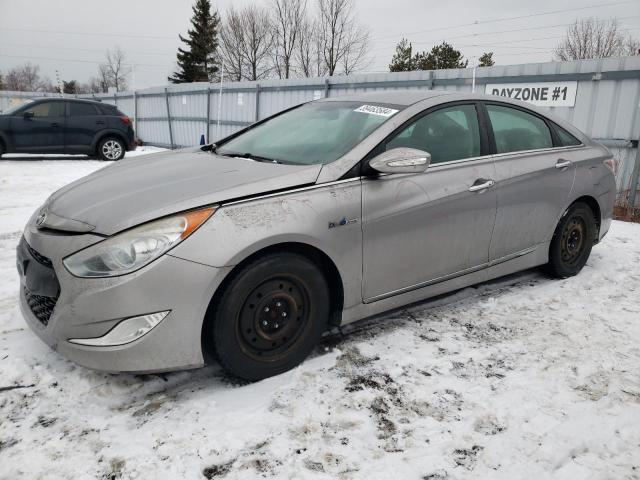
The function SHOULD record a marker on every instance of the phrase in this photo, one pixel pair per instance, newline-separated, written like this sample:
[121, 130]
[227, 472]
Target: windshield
[314, 133]
[14, 109]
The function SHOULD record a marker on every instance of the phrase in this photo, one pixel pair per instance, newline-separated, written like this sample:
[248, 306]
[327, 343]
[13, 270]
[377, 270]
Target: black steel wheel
[572, 241]
[269, 316]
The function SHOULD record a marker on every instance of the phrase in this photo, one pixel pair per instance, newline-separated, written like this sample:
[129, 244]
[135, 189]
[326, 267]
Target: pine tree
[402, 61]
[69, 87]
[486, 60]
[199, 62]
[441, 56]
[444, 56]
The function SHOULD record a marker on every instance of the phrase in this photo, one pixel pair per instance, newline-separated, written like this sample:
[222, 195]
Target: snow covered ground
[143, 150]
[522, 378]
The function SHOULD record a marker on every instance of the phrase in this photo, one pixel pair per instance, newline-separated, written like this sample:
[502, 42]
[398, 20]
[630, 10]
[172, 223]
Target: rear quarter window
[566, 139]
[111, 110]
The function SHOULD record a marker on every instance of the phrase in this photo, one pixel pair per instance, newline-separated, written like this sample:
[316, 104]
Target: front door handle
[55, 124]
[481, 184]
[99, 122]
[562, 163]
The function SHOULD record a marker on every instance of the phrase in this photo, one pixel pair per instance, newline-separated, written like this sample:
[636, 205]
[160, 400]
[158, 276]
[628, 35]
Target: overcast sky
[70, 36]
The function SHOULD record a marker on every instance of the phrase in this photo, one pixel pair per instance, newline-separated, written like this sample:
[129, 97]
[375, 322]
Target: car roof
[395, 97]
[59, 99]
[410, 97]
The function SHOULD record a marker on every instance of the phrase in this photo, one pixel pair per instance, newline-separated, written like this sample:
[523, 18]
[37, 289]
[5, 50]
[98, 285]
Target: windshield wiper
[250, 156]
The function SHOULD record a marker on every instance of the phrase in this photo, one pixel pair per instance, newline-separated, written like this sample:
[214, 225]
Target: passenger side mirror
[28, 115]
[401, 160]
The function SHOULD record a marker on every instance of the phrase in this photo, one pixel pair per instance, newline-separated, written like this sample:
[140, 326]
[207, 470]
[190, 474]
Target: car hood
[140, 189]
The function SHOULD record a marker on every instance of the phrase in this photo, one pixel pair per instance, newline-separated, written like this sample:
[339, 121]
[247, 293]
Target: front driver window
[47, 109]
[447, 134]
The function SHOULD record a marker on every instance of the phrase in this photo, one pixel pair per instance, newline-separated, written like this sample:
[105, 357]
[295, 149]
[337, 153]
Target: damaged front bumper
[60, 307]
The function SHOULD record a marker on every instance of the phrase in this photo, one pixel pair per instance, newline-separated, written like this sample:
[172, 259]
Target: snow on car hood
[140, 189]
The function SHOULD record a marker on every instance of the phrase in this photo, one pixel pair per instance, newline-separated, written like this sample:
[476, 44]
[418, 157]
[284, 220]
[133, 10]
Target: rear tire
[2, 149]
[111, 149]
[572, 241]
[270, 316]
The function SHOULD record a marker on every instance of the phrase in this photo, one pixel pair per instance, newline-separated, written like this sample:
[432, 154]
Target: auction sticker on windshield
[375, 110]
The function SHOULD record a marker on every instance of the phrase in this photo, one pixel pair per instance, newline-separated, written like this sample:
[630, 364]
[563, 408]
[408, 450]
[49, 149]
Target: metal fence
[606, 107]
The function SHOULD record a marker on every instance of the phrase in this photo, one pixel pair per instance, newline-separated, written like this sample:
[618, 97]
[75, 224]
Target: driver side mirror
[401, 160]
[28, 115]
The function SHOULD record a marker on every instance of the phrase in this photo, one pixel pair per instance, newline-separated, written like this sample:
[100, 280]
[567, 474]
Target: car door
[419, 229]
[84, 120]
[39, 128]
[533, 179]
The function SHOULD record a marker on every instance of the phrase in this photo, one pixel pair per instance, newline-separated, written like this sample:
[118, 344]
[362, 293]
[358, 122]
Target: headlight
[131, 250]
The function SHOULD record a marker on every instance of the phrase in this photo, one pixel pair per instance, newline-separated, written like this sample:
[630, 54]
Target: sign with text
[542, 94]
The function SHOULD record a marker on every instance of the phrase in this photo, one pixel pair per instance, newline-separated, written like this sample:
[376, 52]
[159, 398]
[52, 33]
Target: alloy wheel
[112, 150]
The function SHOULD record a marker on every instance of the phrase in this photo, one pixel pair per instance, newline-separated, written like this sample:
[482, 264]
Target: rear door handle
[99, 122]
[562, 163]
[55, 124]
[481, 184]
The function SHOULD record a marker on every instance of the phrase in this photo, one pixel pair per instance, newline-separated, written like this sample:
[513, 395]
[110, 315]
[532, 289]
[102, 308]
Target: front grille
[41, 306]
[41, 277]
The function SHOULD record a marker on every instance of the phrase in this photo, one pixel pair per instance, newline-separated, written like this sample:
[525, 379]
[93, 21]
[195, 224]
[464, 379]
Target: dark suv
[65, 126]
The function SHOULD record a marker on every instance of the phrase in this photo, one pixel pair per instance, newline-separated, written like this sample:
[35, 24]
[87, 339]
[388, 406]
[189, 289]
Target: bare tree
[308, 57]
[631, 46]
[232, 45]
[246, 40]
[356, 48]
[341, 36]
[593, 38]
[103, 78]
[95, 85]
[116, 69]
[288, 18]
[305, 55]
[27, 78]
[258, 38]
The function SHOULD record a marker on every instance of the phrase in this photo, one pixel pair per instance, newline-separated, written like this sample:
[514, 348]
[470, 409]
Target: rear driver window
[515, 130]
[77, 109]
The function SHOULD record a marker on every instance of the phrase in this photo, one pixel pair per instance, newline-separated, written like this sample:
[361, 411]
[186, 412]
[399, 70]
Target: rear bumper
[89, 308]
[131, 140]
[606, 201]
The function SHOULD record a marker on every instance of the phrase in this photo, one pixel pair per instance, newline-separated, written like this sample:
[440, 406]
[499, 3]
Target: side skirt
[533, 258]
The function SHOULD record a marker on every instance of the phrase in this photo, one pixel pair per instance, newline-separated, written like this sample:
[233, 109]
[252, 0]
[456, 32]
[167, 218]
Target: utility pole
[220, 93]
[473, 75]
[60, 90]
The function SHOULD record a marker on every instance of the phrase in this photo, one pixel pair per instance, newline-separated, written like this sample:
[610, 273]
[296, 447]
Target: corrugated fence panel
[606, 105]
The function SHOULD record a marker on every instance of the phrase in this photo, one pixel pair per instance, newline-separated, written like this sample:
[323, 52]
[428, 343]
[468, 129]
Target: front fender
[238, 230]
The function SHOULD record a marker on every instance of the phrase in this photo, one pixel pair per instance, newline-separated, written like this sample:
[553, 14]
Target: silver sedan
[247, 251]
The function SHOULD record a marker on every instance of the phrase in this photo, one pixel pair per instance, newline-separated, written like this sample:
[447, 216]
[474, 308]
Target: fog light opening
[126, 331]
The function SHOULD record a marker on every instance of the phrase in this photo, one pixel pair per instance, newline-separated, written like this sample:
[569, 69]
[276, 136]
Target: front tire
[572, 241]
[270, 316]
[111, 149]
